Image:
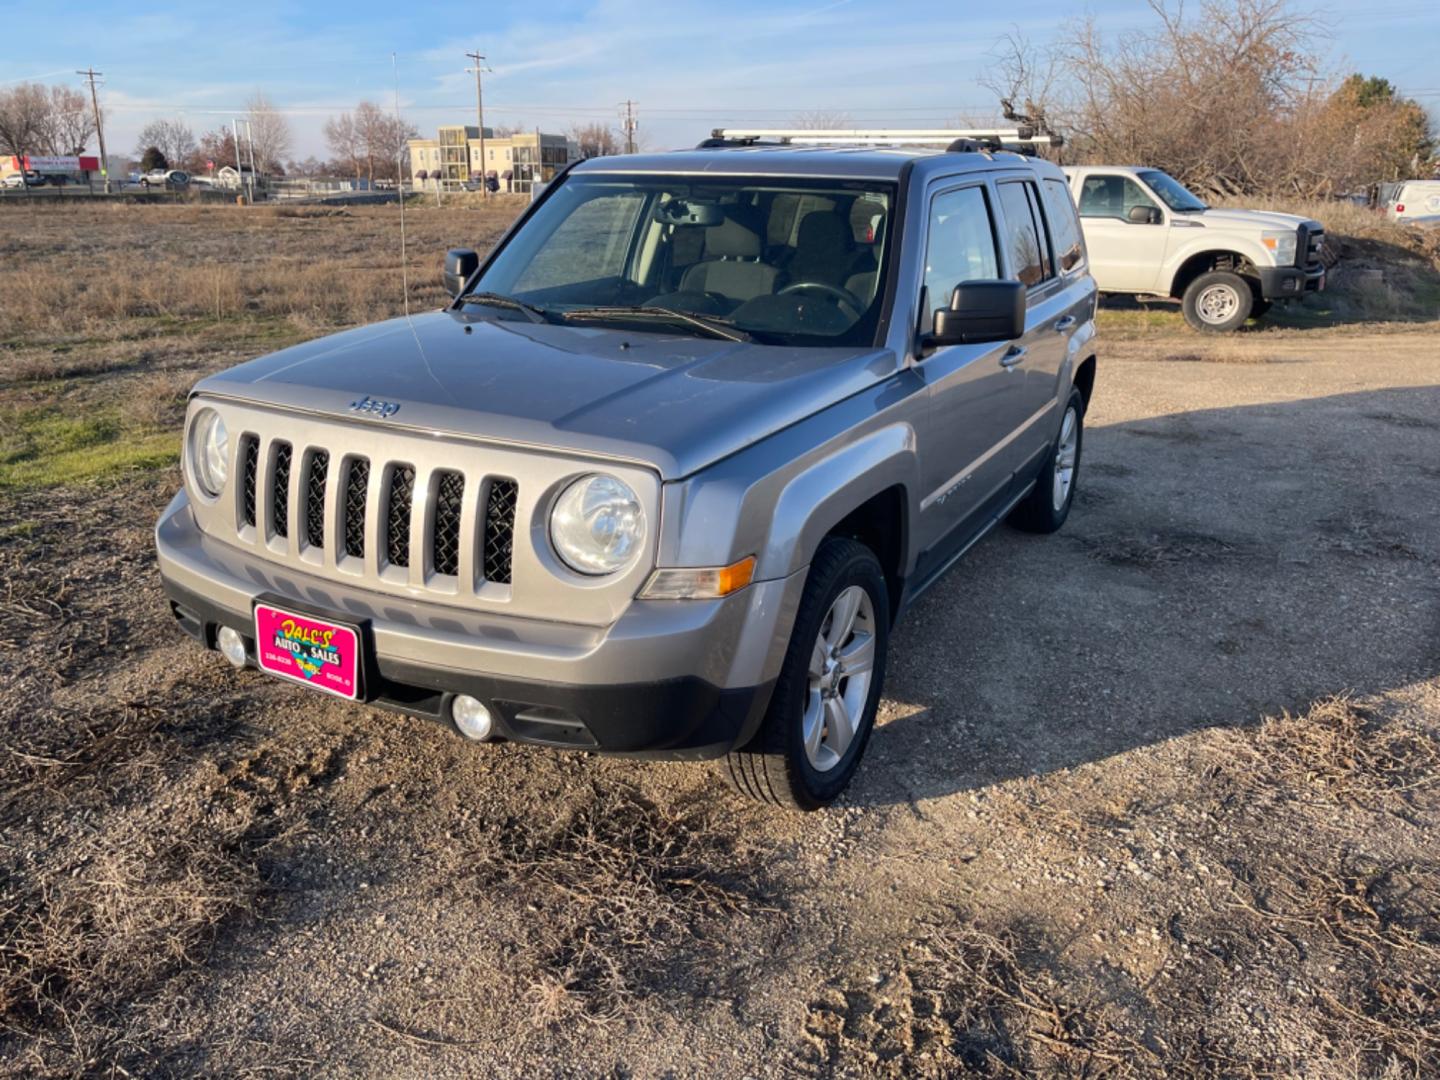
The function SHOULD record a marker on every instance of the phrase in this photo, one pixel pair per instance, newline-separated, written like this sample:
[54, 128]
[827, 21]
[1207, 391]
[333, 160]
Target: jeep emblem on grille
[382, 409]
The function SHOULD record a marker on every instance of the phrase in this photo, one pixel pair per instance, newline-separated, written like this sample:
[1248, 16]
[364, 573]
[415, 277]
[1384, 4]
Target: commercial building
[516, 162]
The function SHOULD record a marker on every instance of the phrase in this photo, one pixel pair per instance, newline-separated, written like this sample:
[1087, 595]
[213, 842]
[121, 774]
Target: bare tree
[23, 115]
[823, 120]
[173, 138]
[386, 136]
[270, 131]
[1224, 94]
[68, 123]
[1024, 78]
[343, 138]
[595, 140]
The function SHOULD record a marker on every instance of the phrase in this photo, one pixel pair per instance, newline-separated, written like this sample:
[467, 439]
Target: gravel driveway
[1076, 847]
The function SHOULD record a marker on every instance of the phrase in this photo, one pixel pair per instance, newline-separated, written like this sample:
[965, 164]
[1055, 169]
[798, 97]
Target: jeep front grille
[281, 512]
[449, 492]
[356, 502]
[397, 526]
[500, 530]
[357, 483]
[315, 499]
[250, 450]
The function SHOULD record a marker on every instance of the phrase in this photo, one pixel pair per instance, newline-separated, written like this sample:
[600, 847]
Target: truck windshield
[771, 260]
[1172, 193]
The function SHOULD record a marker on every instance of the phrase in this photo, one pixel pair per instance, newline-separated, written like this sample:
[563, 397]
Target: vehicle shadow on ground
[1218, 566]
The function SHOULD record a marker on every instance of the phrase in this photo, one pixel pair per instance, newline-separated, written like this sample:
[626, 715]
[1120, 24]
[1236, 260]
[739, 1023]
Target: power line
[91, 74]
[629, 122]
[480, 117]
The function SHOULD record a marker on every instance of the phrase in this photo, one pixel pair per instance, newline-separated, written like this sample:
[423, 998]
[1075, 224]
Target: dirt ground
[1158, 795]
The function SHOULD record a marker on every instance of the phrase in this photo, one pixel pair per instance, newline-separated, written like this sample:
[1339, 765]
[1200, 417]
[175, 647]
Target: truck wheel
[1047, 506]
[1218, 302]
[823, 706]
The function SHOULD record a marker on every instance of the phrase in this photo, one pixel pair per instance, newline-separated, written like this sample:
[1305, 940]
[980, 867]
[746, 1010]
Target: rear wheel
[823, 707]
[1217, 302]
[1047, 506]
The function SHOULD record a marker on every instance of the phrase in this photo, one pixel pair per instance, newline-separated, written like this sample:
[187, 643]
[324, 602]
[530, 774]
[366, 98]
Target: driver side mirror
[460, 263]
[1145, 215]
[980, 311]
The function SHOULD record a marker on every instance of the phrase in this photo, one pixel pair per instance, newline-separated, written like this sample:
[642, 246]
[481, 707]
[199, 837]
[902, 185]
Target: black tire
[1218, 302]
[774, 767]
[1037, 512]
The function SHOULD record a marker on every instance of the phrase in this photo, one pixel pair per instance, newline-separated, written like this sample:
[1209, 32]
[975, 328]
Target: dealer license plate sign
[321, 654]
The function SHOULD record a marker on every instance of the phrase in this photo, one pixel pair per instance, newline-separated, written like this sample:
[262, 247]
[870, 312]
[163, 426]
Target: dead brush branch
[622, 890]
[959, 1000]
[94, 936]
[1337, 747]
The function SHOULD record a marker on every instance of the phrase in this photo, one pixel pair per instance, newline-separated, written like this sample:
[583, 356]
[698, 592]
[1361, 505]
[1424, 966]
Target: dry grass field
[1158, 796]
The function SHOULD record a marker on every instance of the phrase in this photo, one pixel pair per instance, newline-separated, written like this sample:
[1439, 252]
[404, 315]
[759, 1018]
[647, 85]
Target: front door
[1126, 232]
[974, 396]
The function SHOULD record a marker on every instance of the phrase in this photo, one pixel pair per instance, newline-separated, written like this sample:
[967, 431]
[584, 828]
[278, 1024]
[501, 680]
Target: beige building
[516, 162]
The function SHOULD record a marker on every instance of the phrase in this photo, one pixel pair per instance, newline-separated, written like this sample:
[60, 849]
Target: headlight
[1281, 245]
[209, 451]
[597, 525]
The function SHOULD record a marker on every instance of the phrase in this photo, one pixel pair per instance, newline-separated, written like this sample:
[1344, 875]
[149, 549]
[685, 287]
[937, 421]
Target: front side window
[1113, 196]
[1024, 236]
[1172, 193]
[775, 260]
[960, 246]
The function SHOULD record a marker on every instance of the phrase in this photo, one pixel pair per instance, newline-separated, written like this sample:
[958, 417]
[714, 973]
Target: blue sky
[690, 66]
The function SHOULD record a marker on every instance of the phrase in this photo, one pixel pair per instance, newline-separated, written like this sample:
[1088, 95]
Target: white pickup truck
[1149, 236]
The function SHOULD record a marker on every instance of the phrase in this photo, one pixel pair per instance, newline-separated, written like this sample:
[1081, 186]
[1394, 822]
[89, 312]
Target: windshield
[777, 261]
[1172, 193]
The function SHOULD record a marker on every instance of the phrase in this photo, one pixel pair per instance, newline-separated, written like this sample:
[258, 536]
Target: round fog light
[471, 717]
[232, 646]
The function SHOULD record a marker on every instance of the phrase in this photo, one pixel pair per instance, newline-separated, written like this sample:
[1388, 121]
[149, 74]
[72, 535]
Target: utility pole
[92, 75]
[480, 119]
[250, 137]
[239, 165]
[630, 125]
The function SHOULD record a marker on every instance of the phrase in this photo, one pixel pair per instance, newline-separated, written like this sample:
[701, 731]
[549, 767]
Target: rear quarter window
[1064, 225]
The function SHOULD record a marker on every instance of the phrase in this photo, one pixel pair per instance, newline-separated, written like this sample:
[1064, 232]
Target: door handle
[1065, 324]
[1013, 356]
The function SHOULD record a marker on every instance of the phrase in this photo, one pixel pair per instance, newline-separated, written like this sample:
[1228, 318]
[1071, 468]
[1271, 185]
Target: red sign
[37, 163]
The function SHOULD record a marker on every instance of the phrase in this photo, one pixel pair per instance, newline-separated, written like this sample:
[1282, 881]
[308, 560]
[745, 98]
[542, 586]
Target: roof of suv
[850, 163]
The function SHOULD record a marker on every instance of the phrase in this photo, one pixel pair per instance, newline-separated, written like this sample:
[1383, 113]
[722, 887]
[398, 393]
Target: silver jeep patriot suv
[662, 477]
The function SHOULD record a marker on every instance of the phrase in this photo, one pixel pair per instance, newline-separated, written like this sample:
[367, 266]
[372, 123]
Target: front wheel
[823, 707]
[1218, 302]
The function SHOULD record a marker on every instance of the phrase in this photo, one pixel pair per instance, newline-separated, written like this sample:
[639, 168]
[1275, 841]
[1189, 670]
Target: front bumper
[1279, 282]
[668, 679]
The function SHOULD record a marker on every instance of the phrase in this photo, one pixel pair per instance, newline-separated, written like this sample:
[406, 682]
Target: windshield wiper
[712, 325]
[532, 312]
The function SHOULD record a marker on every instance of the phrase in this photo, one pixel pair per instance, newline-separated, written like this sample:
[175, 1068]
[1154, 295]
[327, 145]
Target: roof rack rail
[955, 139]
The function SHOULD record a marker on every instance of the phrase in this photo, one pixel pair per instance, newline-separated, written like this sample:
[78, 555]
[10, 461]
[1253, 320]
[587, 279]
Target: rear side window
[1024, 236]
[1064, 226]
[961, 244]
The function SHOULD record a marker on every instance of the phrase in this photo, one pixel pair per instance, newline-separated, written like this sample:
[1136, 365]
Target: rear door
[1125, 255]
[1050, 319]
[973, 399]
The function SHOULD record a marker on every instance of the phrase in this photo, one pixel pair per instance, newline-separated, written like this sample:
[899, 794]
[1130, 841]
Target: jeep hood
[672, 401]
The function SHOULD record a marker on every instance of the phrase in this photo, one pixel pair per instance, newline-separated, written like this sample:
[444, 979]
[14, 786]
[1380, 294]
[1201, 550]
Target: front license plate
[316, 652]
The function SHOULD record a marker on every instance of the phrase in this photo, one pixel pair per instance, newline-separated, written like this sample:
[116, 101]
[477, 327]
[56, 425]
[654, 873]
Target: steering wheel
[844, 299]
